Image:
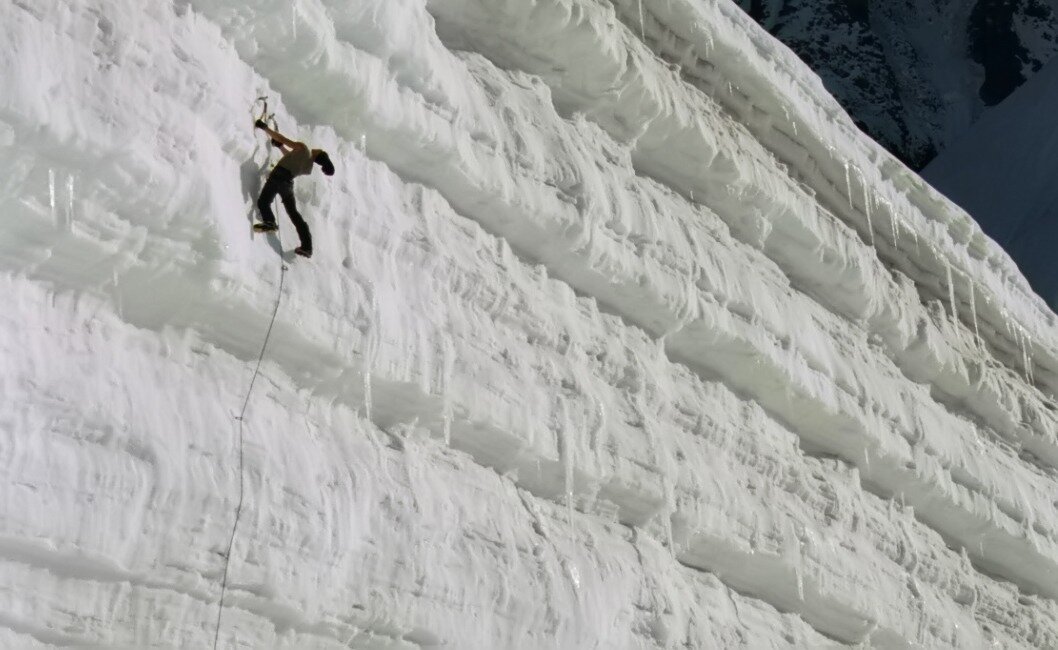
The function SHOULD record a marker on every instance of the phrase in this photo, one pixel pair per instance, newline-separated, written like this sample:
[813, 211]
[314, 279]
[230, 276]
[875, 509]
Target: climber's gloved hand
[260, 124]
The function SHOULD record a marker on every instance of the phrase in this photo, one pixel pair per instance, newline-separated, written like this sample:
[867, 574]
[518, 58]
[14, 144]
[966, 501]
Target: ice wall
[617, 335]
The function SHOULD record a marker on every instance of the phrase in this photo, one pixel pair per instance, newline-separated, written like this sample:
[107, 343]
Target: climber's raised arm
[298, 160]
[275, 135]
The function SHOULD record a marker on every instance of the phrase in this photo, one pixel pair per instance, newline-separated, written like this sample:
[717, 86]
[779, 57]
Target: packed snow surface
[617, 334]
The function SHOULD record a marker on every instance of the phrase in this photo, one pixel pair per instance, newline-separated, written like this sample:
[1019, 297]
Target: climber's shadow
[251, 174]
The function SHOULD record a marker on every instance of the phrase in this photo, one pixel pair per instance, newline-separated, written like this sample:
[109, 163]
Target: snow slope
[617, 335]
[1003, 173]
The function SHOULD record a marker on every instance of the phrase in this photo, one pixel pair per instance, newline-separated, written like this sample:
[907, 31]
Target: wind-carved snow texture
[595, 350]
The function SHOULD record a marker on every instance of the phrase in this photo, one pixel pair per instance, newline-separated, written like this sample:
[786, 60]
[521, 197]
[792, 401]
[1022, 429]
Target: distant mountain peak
[1002, 171]
[914, 74]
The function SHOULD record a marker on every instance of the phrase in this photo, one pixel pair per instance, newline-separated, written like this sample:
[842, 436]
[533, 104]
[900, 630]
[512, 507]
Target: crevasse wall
[617, 335]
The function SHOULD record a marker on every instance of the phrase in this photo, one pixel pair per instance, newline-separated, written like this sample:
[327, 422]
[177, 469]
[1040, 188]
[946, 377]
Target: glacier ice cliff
[618, 334]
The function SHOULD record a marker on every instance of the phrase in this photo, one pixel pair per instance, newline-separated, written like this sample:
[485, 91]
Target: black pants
[281, 182]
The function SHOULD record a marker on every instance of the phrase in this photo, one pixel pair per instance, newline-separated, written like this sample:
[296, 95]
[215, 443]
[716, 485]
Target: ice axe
[266, 116]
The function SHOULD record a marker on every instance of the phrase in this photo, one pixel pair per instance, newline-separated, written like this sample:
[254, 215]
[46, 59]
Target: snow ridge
[593, 351]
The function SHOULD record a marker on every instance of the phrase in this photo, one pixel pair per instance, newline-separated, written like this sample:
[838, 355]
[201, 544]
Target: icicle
[367, 390]
[600, 425]
[973, 603]
[51, 194]
[860, 510]
[569, 515]
[117, 294]
[894, 227]
[363, 143]
[69, 197]
[1016, 332]
[446, 420]
[908, 518]
[424, 356]
[447, 370]
[294, 20]
[642, 24]
[867, 208]
[371, 345]
[848, 183]
[921, 622]
[951, 293]
[1026, 360]
[670, 508]
[574, 575]
[566, 453]
[973, 311]
[793, 556]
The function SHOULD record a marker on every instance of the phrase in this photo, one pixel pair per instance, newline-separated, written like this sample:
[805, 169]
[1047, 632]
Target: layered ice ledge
[401, 366]
[688, 140]
[408, 274]
[350, 537]
[822, 577]
[473, 186]
[779, 99]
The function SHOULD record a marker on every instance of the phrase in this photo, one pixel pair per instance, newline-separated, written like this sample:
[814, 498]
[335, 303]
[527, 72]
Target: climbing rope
[240, 419]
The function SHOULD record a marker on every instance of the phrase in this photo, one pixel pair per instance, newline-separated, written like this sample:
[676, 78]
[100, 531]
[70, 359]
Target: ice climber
[297, 160]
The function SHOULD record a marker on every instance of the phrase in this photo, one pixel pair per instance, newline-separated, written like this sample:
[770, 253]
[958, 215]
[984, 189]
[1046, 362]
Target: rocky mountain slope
[914, 74]
[1004, 171]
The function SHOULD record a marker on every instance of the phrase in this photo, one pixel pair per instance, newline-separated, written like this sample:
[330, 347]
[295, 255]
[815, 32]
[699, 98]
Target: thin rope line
[242, 414]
